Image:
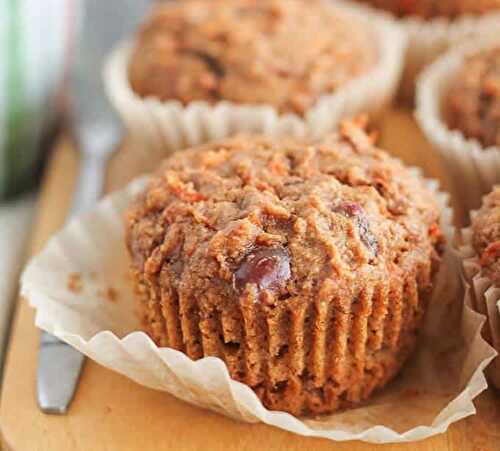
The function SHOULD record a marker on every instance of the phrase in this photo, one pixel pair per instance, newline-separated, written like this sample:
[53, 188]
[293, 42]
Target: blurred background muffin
[472, 105]
[203, 70]
[434, 26]
[283, 53]
[458, 109]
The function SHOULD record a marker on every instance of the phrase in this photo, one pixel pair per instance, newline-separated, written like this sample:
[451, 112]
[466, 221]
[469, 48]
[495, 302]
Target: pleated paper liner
[475, 168]
[96, 315]
[428, 38]
[483, 295]
[161, 127]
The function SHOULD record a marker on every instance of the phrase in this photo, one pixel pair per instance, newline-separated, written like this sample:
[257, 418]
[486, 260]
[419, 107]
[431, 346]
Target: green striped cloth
[34, 37]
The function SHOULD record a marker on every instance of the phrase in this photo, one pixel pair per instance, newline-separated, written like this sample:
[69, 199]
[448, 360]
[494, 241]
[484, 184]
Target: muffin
[472, 104]
[433, 27]
[283, 53]
[201, 70]
[436, 8]
[306, 266]
[480, 251]
[486, 236]
[458, 108]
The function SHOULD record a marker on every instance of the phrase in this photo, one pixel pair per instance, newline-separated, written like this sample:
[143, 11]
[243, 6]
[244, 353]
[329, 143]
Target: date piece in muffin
[472, 104]
[486, 236]
[305, 266]
[283, 53]
[436, 8]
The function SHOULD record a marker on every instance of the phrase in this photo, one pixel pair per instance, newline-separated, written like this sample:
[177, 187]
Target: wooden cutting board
[111, 412]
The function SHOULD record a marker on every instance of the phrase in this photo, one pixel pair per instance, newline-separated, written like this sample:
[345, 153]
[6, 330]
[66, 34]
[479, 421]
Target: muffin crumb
[74, 282]
[110, 294]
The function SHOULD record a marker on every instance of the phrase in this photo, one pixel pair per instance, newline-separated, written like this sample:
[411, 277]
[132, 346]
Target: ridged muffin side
[305, 266]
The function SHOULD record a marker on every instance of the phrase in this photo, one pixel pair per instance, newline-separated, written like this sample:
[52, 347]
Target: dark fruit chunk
[354, 210]
[266, 267]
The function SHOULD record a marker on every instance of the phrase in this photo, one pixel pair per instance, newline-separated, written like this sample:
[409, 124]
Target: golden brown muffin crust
[436, 8]
[472, 104]
[284, 53]
[306, 266]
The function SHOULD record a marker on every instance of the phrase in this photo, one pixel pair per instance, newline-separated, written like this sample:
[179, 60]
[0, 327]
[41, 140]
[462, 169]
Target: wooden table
[111, 412]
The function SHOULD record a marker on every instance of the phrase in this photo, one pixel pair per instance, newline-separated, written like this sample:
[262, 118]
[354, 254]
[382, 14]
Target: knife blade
[97, 132]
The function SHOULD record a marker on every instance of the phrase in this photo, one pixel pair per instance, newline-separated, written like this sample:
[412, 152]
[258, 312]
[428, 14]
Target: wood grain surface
[111, 412]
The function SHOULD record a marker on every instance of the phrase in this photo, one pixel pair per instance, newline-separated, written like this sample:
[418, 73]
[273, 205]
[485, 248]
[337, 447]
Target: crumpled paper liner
[482, 294]
[162, 127]
[427, 39]
[435, 389]
[475, 167]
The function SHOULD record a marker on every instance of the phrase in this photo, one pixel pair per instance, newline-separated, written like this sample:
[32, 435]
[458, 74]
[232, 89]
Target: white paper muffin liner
[429, 38]
[164, 126]
[482, 294]
[435, 389]
[475, 168]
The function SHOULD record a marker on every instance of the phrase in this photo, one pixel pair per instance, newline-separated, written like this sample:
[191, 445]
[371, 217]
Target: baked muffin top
[472, 104]
[486, 235]
[436, 8]
[284, 53]
[284, 218]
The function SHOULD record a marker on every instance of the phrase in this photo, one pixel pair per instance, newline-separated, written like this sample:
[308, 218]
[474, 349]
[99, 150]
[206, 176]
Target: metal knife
[97, 133]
